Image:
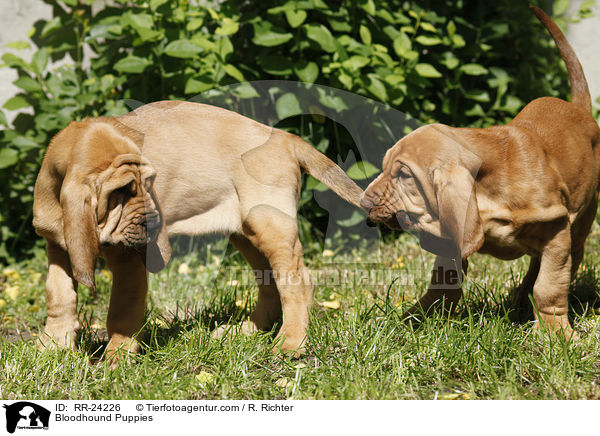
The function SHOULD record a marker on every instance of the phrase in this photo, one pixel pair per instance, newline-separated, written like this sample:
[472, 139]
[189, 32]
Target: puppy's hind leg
[62, 324]
[275, 234]
[268, 307]
[520, 296]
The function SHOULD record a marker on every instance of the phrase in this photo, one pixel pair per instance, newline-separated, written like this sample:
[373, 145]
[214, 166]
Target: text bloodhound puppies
[529, 187]
[115, 186]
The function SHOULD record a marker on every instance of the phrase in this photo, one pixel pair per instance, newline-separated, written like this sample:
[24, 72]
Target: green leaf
[475, 111]
[355, 62]
[51, 26]
[228, 27]
[40, 60]
[428, 40]
[478, 95]
[234, 72]
[71, 2]
[15, 103]
[313, 184]
[28, 84]
[23, 142]
[560, 7]
[3, 120]
[137, 21]
[18, 45]
[402, 44]
[306, 71]
[451, 28]
[357, 217]
[277, 65]
[15, 61]
[224, 48]
[458, 41]
[473, 69]
[194, 24]
[155, 4]
[427, 26]
[449, 60]
[193, 86]
[267, 35]
[377, 88]
[182, 48]
[8, 157]
[244, 90]
[365, 34]
[427, 70]
[322, 36]
[368, 6]
[132, 64]
[362, 170]
[295, 18]
[287, 106]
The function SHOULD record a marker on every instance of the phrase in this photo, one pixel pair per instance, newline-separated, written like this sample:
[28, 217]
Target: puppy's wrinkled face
[127, 211]
[400, 196]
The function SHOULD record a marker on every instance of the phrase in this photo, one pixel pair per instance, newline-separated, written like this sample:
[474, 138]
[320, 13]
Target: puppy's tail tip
[580, 93]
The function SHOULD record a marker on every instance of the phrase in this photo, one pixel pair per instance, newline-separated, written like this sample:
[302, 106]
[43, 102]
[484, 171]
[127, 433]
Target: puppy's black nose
[153, 224]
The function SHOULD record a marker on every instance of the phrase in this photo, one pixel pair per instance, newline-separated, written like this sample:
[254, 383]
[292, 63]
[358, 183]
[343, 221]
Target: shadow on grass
[480, 302]
[584, 297]
[162, 328]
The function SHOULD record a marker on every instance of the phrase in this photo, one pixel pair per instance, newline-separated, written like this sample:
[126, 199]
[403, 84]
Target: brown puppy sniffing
[526, 188]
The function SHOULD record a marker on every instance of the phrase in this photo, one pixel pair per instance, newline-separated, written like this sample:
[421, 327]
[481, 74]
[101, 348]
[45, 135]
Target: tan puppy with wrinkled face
[216, 171]
[93, 197]
[530, 187]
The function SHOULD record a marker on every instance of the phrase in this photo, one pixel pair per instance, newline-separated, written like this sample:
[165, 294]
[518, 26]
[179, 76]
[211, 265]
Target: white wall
[585, 39]
[16, 18]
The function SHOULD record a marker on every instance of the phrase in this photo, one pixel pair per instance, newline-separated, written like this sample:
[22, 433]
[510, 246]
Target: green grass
[359, 351]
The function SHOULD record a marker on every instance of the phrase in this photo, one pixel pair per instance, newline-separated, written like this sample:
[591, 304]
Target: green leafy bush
[461, 62]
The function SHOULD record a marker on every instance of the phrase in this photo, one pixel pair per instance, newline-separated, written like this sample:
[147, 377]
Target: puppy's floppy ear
[458, 210]
[79, 220]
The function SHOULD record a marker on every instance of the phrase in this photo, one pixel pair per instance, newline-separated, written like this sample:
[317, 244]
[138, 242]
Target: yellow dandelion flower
[184, 269]
[12, 292]
[205, 377]
[11, 273]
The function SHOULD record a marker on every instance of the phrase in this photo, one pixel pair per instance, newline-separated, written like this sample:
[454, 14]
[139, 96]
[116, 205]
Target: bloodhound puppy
[527, 188]
[94, 197]
[212, 170]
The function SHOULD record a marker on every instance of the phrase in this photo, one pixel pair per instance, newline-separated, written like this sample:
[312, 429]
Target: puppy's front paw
[120, 349]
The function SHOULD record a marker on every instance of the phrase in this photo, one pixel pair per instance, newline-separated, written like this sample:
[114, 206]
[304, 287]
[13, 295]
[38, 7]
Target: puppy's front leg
[445, 287]
[127, 302]
[62, 324]
[551, 289]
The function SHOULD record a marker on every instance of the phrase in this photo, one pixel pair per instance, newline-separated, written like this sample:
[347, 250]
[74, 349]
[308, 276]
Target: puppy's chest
[503, 239]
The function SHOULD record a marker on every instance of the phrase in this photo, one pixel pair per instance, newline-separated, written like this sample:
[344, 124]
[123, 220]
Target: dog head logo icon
[26, 415]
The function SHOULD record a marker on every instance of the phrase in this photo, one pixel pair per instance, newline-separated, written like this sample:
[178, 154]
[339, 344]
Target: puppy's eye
[149, 182]
[128, 190]
[403, 172]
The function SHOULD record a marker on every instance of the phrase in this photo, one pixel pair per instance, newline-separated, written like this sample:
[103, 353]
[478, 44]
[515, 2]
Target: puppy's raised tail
[580, 93]
[326, 171]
